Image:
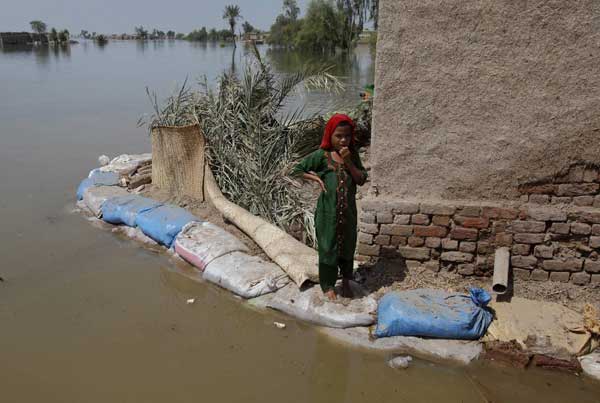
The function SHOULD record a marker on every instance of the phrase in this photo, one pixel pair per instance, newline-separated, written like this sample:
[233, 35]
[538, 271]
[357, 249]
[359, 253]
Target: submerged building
[486, 133]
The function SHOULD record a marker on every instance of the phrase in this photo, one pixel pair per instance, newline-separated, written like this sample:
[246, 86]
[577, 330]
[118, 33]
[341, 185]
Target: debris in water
[103, 160]
[190, 301]
[400, 362]
[1, 280]
[279, 325]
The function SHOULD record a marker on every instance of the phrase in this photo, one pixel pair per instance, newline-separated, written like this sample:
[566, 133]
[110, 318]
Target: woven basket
[178, 160]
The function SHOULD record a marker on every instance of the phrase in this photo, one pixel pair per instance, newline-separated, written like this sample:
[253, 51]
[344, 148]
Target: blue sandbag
[164, 223]
[434, 313]
[125, 209]
[97, 178]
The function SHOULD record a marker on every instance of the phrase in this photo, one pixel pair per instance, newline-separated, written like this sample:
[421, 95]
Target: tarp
[97, 178]
[434, 313]
[312, 306]
[95, 196]
[540, 327]
[244, 275]
[125, 209]
[164, 223]
[201, 243]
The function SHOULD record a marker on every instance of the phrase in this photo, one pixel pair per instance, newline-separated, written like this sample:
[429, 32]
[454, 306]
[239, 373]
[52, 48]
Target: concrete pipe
[501, 265]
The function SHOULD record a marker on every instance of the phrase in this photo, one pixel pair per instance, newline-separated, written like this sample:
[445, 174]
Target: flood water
[86, 316]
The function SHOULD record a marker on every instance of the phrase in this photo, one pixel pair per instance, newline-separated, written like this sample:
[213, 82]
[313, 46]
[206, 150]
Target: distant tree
[38, 26]
[247, 27]
[213, 35]
[286, 26]
[101, 39]
[225, 35]
[170, 34]
[53, 36]
[84, 34]
[93, 35]
[179, 35]
[321, 28]
[141, 32]
[291, 9]
[198, 35]
[232, 14]
[63, 36]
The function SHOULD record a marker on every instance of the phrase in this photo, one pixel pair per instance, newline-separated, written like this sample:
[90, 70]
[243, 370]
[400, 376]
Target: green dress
[335, 217]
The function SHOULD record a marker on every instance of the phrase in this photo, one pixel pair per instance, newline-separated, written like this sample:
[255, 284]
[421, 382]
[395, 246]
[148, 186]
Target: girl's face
[341, 137]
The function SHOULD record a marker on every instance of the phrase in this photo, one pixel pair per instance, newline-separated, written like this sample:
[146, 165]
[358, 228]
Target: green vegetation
[327, 26]
[58, 37]
[248, 28]
[232, 14]
[38, 26]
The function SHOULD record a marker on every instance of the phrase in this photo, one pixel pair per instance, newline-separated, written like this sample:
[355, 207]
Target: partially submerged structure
[21, 38]
[485, 134]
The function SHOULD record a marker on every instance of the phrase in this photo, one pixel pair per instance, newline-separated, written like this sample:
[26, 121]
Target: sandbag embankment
[299, 261]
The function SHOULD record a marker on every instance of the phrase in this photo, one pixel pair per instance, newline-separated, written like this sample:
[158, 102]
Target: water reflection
[42, 53]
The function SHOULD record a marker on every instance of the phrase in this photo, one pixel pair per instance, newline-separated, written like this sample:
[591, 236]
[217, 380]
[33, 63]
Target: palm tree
[232, 14]
[38, 26]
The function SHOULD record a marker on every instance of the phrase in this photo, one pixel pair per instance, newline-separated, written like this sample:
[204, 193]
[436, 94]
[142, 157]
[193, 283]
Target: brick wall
[556, 242]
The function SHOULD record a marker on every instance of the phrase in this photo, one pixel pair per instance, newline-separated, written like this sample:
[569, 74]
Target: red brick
[369, 228]
[581, 278]
[526, 262]
[430, 231]
[396, 229]
[368, 250]
[470, 211]
[560, 276]
[419, 219]
[472, 222]
[414, 253]
[382, 240]
[504, 239]
[398, 240]
[442, 220]
[521, 249]
[529, 238]
[592, 266]
[415, 241]
[570, 264]
[457, 257]
[437, 209]
[528, 226]
[500, 212]
[467, 234]
[433, 242]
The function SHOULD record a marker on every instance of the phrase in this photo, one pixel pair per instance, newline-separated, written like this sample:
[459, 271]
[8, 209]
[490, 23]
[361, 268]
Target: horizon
[118, 17]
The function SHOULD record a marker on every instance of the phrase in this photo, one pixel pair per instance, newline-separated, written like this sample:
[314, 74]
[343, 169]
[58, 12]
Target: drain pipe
[501, 265]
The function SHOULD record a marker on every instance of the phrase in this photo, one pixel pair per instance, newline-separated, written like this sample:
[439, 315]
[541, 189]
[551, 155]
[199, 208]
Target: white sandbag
[200, 243]
[312, 306]
[245, 275]
[127, 163]
[95, 196]
[591, 365]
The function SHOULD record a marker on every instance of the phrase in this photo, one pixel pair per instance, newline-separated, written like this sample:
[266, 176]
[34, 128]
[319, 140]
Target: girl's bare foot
[346, 289]
[330, 294]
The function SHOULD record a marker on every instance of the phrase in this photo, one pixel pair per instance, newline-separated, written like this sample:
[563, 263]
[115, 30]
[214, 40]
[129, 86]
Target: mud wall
[475, 98]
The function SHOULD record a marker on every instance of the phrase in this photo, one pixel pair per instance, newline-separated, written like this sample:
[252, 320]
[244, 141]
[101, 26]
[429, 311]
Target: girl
[337, 168]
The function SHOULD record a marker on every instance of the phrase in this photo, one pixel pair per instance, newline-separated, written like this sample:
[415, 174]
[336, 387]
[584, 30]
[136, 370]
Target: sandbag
[434, 313]
[591, 365]
[201, 243]
[97, 178]
[126, 163]
[95, 196]
[163, 223]
[312, 306]
[124, 209]
[245, 275]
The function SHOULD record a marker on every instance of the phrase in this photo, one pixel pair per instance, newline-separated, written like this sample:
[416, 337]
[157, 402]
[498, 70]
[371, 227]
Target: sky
[120, 16]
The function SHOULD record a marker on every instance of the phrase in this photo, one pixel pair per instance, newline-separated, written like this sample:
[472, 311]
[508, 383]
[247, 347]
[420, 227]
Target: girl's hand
[314, 177]
[345, 154]
[318, 180]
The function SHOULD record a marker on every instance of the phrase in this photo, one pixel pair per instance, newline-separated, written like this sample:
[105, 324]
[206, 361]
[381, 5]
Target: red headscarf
[330, 127]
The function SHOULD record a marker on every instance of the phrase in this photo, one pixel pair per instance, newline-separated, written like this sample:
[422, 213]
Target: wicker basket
[178, 160]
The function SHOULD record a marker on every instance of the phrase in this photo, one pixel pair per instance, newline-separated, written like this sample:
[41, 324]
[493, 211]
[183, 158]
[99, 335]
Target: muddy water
[86, 316]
